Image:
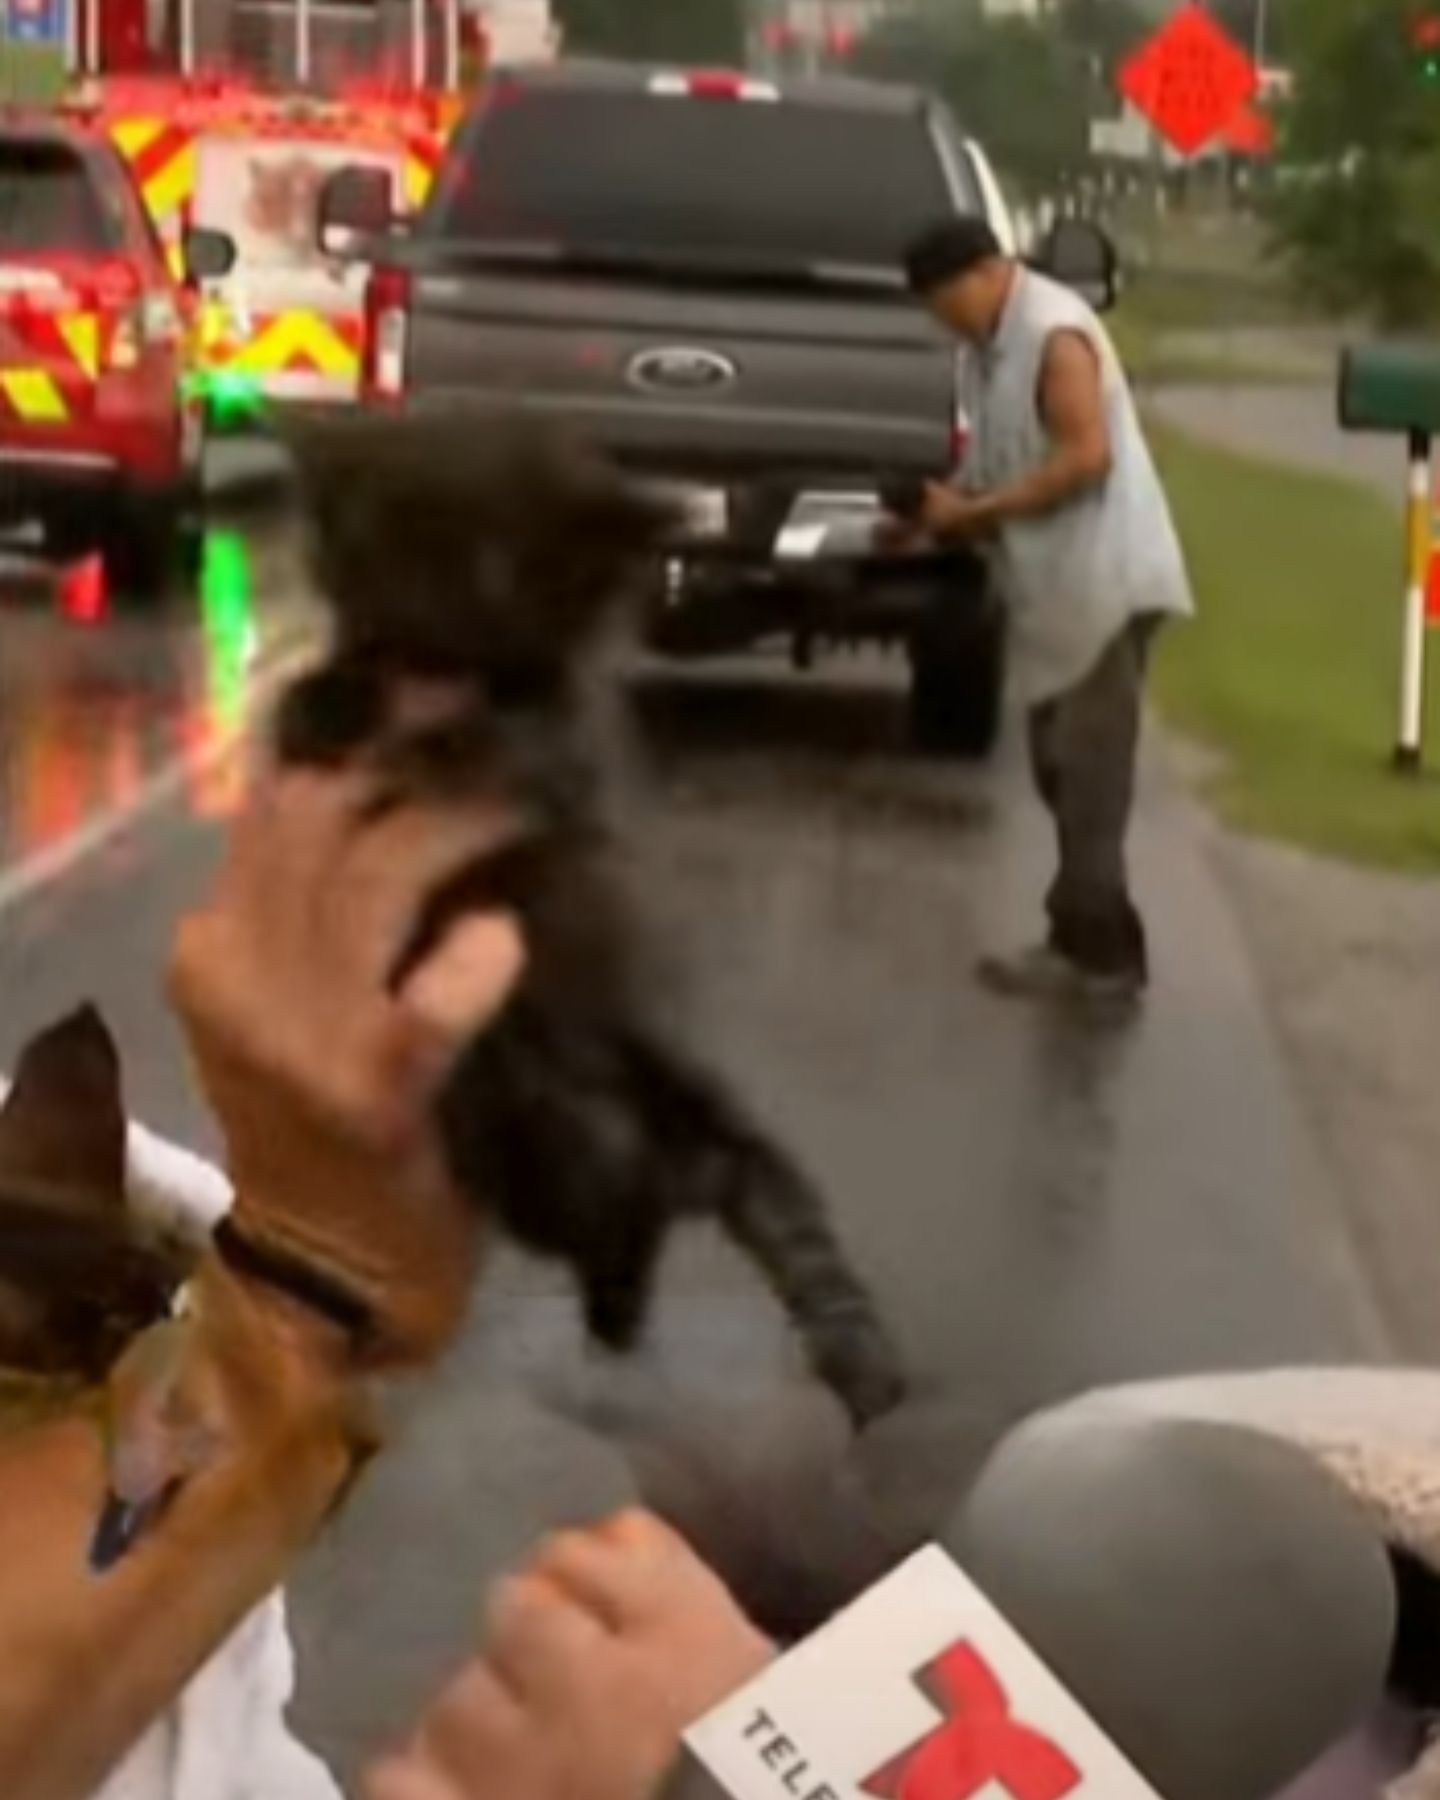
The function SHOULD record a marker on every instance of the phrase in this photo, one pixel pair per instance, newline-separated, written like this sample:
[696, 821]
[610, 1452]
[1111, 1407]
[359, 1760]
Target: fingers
[311, 912]
[594, 1662]
[474, 1729]
[629, 1571]
[654, 1594]
[383, 871]
[539, 1643]
[466, 981]
[406, 1778]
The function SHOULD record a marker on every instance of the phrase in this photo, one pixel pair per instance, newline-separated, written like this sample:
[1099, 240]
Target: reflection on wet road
[100, 696]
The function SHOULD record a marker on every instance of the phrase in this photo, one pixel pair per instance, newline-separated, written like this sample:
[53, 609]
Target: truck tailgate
[689, 380]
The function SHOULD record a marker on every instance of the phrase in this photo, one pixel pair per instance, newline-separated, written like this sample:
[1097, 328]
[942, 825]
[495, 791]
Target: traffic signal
[1425, 40]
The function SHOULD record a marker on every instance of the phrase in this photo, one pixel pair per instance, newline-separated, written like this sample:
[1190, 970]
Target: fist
[595, 1661]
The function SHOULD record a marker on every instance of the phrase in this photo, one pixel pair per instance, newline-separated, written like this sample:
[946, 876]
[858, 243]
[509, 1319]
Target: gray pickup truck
[700, 272]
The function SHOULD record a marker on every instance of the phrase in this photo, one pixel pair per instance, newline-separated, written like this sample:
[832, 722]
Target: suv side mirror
[356, 204]
[207, 255]
[1082, 256]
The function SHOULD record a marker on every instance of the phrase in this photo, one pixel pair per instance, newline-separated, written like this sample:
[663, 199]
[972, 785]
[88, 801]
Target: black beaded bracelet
[295, 1278]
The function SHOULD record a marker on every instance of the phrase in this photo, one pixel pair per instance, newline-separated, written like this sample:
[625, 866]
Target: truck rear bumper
[39, 482]
[35, 481]
[711, 601]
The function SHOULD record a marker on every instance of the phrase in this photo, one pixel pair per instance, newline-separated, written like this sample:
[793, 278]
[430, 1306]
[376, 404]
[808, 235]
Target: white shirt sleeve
[227, 1738]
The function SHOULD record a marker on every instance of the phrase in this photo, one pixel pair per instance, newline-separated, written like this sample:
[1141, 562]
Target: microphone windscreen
[1212, 1597]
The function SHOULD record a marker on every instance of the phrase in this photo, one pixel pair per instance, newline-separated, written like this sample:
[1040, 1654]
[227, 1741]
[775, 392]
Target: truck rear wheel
[152, 545]
[149, 544]
[957, 679]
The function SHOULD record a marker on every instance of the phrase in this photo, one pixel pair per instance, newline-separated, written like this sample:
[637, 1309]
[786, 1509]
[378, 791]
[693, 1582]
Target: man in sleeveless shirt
[1057, 488]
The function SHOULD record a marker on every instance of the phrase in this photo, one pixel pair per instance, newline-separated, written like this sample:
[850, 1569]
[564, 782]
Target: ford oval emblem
[680, 369]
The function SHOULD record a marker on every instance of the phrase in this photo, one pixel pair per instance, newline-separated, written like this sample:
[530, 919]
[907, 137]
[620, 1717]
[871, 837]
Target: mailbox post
[1395, 388]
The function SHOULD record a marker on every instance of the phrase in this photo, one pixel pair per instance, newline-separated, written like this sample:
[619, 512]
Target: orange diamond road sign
[1190, 79]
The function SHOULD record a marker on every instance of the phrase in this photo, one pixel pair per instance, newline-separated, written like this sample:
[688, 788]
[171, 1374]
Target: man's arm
[323, 1077]
[1073, 409]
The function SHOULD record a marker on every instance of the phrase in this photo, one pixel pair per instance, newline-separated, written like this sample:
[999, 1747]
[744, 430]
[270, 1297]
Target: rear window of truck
[49, 204]
[585, 169]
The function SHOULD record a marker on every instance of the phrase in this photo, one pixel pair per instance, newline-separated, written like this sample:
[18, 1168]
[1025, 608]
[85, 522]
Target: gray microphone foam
[1213, 1598]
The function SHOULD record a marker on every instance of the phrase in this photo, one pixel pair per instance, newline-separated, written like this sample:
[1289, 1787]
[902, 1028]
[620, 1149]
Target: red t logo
[976, 1743]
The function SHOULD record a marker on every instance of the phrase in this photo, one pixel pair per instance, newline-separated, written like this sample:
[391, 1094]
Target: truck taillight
[114, 294]
[387, 327]
[126, 339]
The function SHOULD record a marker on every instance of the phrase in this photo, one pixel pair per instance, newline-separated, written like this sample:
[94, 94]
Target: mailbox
[1391, 387]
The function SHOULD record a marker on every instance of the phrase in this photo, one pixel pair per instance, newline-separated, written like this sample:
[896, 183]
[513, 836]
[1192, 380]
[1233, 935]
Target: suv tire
[957, 679]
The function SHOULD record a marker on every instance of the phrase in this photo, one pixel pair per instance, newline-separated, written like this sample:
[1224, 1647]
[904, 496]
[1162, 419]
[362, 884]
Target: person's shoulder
[1065, 310]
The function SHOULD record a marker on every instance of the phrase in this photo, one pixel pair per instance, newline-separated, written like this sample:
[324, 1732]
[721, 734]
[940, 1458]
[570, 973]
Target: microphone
[1212, 1597]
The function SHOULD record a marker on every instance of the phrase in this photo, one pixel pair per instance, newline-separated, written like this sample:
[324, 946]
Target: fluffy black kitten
[489, 557]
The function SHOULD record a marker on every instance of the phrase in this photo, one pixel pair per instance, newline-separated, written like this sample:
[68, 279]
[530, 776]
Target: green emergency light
[232, 397]
[226, 588]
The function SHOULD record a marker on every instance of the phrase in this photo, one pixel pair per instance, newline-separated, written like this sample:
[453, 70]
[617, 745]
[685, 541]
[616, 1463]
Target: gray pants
[1082, 751]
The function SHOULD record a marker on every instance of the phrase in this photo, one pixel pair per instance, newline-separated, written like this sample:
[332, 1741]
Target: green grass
[1291, 670]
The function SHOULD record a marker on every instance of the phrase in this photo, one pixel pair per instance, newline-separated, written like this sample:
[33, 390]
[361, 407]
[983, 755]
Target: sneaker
[1042, 973]
[1038, 973]
[1120, 992]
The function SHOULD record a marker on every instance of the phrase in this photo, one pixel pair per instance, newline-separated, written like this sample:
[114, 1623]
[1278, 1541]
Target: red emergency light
[82, 591]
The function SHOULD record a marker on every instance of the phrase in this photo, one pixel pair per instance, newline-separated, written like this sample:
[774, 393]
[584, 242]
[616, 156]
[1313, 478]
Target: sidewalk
[1290, 424]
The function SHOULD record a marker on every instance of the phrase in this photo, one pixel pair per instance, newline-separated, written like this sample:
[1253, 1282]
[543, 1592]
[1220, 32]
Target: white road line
[37, 873]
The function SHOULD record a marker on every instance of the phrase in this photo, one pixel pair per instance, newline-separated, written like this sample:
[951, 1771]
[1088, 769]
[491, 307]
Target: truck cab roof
[602, 76]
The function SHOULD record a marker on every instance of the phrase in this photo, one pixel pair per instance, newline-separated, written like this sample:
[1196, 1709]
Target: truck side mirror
[1083, 257]
[356, 206]
[207, 255]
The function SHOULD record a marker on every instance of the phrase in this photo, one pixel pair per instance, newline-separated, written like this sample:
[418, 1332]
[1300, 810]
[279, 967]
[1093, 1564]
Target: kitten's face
[467, 545]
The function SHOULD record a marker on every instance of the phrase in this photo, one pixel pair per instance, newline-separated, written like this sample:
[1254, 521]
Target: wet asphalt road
[1040, 1204]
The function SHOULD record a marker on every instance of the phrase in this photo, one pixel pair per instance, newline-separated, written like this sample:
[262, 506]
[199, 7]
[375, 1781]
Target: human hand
[894, 536]
[596, 1660]
[323, 1075]
[955, 517]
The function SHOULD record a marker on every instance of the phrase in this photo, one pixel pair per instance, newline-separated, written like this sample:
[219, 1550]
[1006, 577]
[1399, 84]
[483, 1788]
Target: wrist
[280, 1360]
[291, 1395]
[994, 509]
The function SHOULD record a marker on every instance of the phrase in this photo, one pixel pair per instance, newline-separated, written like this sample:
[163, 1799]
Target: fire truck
[232, 114]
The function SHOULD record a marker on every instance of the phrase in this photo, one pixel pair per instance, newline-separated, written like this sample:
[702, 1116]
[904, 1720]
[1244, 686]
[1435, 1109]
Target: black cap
[949, 249]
